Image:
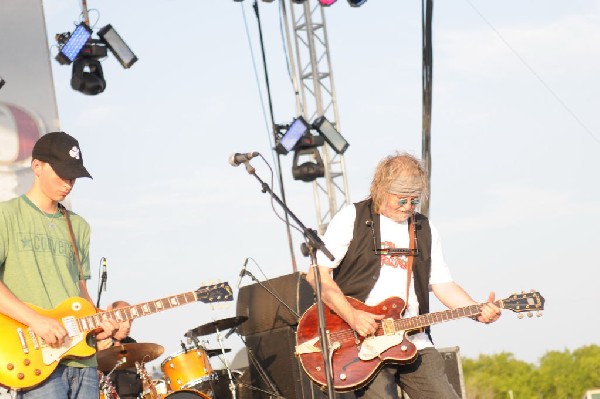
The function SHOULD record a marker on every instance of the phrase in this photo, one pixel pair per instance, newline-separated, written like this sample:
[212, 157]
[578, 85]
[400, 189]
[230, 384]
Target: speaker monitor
[454, 369]
[265, 312]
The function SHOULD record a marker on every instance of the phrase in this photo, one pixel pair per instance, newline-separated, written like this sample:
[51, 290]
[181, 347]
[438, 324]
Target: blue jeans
[66, 383]
[425, 378]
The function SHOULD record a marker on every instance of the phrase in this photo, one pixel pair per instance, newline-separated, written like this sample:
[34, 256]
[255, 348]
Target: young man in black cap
[40, 266]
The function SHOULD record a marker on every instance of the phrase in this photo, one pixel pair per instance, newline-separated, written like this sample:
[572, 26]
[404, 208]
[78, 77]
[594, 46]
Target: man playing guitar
[40, 265]
[379, 244]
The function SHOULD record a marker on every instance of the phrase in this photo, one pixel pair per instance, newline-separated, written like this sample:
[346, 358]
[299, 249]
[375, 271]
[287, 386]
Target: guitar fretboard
[428, 319]
[94, 321]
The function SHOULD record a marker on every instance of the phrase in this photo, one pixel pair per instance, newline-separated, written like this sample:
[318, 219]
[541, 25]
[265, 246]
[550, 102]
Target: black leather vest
[359, 270]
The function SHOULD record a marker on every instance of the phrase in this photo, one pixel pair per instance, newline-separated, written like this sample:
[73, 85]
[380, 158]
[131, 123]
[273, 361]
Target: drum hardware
[216, 327]
[112, 357]
[216, 351]
[107, 390]
[157, 389]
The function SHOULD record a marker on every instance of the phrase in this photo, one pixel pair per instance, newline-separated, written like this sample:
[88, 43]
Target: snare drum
[188, 369]
[187, 394]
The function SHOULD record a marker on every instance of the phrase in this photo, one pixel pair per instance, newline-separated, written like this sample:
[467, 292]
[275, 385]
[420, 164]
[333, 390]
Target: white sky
[515, 144]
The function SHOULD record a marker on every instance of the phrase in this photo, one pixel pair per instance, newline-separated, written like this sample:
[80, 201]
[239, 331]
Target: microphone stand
[314, 244]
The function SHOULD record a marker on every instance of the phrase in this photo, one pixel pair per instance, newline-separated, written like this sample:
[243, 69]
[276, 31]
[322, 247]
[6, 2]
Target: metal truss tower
[316, 96]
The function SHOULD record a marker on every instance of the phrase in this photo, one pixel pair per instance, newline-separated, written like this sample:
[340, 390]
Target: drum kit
[188, 373]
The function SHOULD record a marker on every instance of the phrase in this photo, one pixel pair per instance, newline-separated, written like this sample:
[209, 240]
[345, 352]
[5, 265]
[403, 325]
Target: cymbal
[219, 325]
[131, 353]
[216, 351]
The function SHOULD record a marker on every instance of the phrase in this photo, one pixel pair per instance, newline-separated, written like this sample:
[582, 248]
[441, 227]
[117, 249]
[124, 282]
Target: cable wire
[537, 75]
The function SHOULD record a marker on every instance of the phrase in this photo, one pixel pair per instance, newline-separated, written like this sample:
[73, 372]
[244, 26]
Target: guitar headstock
[525, 302]
[215, 293]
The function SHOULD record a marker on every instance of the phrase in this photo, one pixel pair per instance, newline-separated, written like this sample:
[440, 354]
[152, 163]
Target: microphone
[238, 159]
[104, 272]
[242, 273]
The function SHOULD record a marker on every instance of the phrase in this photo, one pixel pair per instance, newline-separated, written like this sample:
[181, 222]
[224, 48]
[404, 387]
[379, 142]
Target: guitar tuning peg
[529, 314]
[520, 316]
[538, 314]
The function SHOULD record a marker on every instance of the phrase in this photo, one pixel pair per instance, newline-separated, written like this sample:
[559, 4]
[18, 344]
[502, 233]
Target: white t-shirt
[392, 278]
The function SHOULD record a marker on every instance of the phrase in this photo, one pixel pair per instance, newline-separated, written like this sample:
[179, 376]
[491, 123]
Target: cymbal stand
[105, 385]
[231, 384]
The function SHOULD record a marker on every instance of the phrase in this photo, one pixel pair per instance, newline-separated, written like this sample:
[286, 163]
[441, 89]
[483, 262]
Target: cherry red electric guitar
[355, 360]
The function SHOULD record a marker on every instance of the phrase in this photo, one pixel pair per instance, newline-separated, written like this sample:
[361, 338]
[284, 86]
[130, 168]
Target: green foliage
[564, 375]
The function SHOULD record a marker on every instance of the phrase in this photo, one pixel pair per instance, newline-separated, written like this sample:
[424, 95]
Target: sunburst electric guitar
[25, 360]
[354, 360]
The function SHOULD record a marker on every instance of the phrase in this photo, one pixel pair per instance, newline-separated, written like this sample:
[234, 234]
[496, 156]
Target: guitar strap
[65, 213]
[412, 227]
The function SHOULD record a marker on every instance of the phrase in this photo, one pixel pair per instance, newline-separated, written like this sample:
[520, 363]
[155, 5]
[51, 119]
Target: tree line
[559, 375]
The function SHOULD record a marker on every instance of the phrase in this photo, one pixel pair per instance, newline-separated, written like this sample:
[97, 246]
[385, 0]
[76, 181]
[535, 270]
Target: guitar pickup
[388, 326]
[70, 325]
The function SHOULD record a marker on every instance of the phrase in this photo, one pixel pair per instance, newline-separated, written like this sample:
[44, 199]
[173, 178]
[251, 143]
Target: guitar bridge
[22, 340]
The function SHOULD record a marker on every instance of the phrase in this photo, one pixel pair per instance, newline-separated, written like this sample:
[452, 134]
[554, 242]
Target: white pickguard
[373, 346]
[308, 347]
[51, 355]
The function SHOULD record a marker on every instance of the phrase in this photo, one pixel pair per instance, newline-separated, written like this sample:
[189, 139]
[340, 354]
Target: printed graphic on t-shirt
[41, 243]
[400, 261]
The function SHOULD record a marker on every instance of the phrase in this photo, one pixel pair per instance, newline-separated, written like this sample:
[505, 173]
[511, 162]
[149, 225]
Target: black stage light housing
[117, 46]
[73, 43]
[2, 81]
[87, 76]
[335, 140]
[308, 171]
[356, 3]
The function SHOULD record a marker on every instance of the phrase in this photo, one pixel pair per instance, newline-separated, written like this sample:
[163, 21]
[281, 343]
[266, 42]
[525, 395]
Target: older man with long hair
[379, 244]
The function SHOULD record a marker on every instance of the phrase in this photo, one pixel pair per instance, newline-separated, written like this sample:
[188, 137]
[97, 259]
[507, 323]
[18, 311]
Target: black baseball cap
[62, 152]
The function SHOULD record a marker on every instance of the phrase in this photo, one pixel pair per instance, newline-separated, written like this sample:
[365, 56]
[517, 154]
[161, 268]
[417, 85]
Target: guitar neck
[413, 323]
[94, 321]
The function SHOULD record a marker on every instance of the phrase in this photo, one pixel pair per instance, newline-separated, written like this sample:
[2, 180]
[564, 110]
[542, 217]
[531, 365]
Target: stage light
[2, 81]
[71, 44]
[292, 136]
[117, 46]
[356, 3]
[87, 76]
[335, 140]
[311, 170]
[327, 3]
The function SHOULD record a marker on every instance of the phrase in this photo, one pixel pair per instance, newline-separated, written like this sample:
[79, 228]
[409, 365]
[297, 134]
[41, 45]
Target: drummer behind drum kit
[188, 373]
